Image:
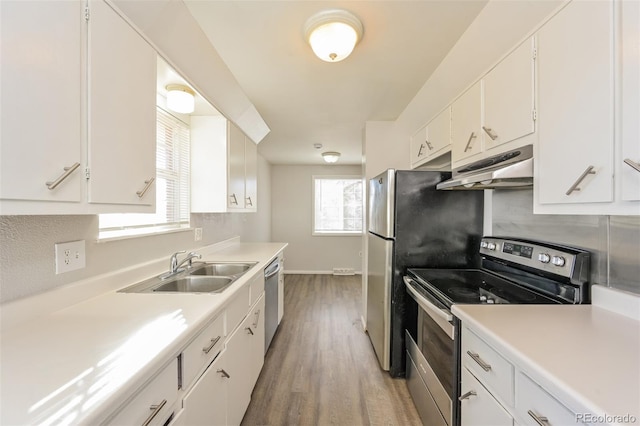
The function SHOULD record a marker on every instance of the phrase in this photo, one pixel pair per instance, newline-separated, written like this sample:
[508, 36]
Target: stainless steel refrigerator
[412, 224]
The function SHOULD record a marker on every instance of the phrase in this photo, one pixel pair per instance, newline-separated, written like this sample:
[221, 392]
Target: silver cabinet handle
[249, 201]
[257, 314]
[490, 132]
[213, 343]
[467, 395]
[235, 200]
[542, 421]
[471, 137]
[631, 163]
[574, 187]
[480, 361]
[156, 409]
[147, 185]
[420, 150]
[223, 373]
[63, 176]
[429, 145]
[249, 330]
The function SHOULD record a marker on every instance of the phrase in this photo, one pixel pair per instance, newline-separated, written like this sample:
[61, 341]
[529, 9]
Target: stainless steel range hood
[508, 170]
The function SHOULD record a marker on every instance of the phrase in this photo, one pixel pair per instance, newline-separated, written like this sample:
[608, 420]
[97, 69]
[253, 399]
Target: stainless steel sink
[197, 284]
[202, 277]
[220, 269]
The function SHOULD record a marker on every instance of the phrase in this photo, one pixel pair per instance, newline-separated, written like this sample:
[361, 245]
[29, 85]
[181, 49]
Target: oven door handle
[430, 308]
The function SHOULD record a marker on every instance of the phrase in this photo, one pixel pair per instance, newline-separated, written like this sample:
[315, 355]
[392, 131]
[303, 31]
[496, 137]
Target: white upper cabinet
[41, 102]
[122, 112]
[433, 140]
[575, 75]
[589, 90]
[509, 98]
[466, 125]
[223, 167]
[497, 110]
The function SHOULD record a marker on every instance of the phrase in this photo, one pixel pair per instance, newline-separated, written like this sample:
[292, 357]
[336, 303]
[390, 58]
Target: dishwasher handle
[268, 274]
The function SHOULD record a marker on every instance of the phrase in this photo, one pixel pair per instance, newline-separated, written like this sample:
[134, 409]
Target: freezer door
[379, 281]
[382, 204]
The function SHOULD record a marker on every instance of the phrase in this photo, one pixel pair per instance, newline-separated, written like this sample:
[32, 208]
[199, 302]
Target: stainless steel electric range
[514, 271]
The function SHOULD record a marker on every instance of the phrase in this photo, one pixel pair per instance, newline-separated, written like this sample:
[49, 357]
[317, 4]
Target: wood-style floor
[321, 368]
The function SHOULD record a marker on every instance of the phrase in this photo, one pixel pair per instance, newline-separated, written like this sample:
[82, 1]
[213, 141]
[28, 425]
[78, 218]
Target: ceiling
[306, 101]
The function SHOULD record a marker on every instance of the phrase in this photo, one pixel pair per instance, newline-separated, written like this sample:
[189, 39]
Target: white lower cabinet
[496, 390]
[154, 404]
[479, 407]
[206, 403]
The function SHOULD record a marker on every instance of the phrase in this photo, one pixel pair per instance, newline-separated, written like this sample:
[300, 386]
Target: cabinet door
[478, 407]
[439, 134]
[630, 160]
[122, 112]
[41, 99]
[257, 340]
[466, 127]
[575, 113]
[206, 402]
[239, 385]
[235, 168]
[418, 147]
[508, 97]
[251, 175]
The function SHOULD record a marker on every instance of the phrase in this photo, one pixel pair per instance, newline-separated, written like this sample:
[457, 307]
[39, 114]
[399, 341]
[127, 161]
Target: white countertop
[583, 354]
[78, 364]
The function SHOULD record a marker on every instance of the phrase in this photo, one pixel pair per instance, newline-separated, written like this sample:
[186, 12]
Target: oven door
[431, 372]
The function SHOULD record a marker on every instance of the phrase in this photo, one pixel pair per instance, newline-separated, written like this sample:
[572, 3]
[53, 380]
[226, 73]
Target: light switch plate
[70, 256]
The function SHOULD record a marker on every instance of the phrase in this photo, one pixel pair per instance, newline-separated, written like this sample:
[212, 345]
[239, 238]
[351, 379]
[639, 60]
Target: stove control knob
[484, 244]
[491, 246]
[544, 257]
[483, 298]
[558, 260]
[491, 301]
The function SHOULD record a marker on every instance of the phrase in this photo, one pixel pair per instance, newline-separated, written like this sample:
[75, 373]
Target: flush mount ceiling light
[330, 156]
[333, 34]
[180, 98]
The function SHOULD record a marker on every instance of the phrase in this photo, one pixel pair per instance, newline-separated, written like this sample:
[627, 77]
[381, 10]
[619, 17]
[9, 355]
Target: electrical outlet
[198, 234]
[70, 256]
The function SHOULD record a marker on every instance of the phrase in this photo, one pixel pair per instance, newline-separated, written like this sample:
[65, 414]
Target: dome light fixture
[330, 156]
[180, 98]
[333, 34]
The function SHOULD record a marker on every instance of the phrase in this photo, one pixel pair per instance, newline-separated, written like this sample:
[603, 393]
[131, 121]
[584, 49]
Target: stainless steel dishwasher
[271, 273]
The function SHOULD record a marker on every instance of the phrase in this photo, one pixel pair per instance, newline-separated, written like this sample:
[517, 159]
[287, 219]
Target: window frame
[342, 233]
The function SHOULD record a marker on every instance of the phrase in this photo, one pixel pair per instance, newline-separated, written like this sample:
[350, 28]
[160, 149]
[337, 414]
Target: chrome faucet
[174, 265]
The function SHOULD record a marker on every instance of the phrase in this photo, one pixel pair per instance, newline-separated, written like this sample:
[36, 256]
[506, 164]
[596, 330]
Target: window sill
[124, 234]
[337, 234]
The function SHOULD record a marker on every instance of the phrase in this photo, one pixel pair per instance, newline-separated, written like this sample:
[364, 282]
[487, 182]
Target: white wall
[27, 243]
[291, 214]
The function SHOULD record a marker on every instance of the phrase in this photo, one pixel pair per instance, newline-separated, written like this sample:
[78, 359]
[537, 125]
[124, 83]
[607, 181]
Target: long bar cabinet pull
[249, 202]
[224, 373]
[420, 150]
[429, 145]
[471, 137]
[63, 176]
[213, 343]
[589, 171]
[147, 185]
[156, 409]
[467, 395]
[633, 164]
[235, 200]
[490, 132]
[480, 361]
[542, 421]
[249, 330]
[257, 314]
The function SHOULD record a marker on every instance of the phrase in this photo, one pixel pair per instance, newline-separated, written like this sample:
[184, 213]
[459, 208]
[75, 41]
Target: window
[337, 205]
[172, 185]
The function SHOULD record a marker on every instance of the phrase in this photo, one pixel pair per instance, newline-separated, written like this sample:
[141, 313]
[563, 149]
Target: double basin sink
[202, 277]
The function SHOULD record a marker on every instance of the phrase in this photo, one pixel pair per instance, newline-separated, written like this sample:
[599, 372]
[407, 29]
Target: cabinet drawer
[532, 401]
[491, 369]
[237, 309]
[478, 407]
[155, 401]
[202, 351]
[257, 288]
